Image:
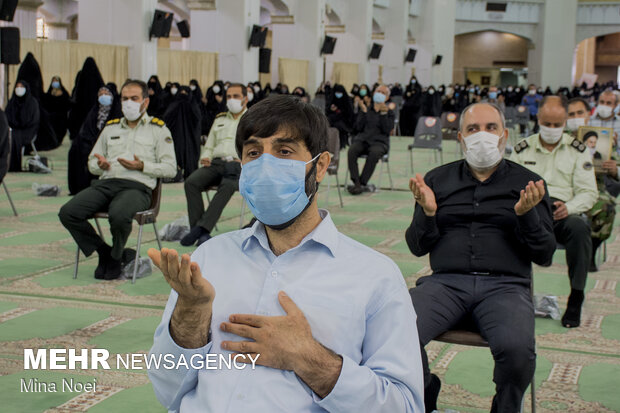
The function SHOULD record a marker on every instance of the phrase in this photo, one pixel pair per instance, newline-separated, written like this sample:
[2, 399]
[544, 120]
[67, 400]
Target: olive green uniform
[223, 173]
[569, 174]
[120, 191]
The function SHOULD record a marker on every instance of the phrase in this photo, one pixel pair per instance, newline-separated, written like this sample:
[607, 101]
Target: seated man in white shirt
[328, 320]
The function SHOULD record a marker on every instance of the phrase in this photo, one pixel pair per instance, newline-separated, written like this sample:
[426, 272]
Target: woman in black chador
[57, 103]
[22, 112]
[339, 109]
[84, 95]
[183, 118]
[108, 107]
[412, 107]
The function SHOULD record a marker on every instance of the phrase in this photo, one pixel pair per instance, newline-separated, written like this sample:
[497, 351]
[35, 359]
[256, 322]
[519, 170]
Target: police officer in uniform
[130, 154]
[603, 213]
[219, 166]
[567, 168]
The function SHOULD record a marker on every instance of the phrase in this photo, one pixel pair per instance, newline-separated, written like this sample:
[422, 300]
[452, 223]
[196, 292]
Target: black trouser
[121, 198]
[224, 175]
[374, 152]
[574, 233]
[500, 308]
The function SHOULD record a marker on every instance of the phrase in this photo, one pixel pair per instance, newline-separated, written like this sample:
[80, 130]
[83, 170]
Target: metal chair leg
[387, 164]
[327, 196]
[9, 196]
[441, 156]
[157, 236]
[77, 261]
[209, 201]
[137, 259]
[533, 389]
[99, 229]
[380, 175]
[411, 159]
[339, 194]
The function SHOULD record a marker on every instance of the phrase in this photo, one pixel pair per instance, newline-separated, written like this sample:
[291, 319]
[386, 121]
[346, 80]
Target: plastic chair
[148, 216]
[8, 162]
[428, 135]
[385, 159]
[523, 118]
[450, 129]
[333, 145]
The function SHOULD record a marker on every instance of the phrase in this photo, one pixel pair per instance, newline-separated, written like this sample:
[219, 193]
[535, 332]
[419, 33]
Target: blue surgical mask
[492, 95]
[105, 100]
[378, 97]
[275, 189]
[363, 92]
[338, 95]
[56, 84]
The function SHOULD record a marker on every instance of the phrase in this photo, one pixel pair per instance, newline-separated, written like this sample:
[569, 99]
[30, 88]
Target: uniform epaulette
[220, 114]
[113, 121]
[158, 122]
[578, 145]
[521, 146]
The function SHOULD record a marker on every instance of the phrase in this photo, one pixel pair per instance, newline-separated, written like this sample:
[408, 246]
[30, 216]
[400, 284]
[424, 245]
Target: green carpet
[42, 306]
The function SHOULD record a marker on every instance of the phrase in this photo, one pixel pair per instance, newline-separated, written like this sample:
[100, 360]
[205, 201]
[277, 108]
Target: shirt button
[473, 235]
[476, 204]
[240, 397]
[274, 274]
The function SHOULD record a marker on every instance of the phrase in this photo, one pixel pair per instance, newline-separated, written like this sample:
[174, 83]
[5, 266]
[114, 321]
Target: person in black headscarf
[108, 107]
[22, 112]
[340, 113]
[170, 96]
[259, 94]
[30, 72]
[85, 95]
[4, 145]
[216, 103]
[155, 107]
[195, 92]
[431, 102]
[300, 92]
[183, 118]
[57, 103]
[412, 107]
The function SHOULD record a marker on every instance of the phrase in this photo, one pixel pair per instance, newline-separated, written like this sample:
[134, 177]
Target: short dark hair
[244, 89]
[546, 99]
[277, 113]
[579, 100]
[137, 82]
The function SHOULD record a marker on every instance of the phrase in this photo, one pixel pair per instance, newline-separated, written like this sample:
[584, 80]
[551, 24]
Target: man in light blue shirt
[329, 319]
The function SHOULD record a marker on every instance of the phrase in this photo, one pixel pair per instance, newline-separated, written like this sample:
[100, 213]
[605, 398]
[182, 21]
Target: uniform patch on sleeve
[578, 145]
[587, 165]
[521, 146]
[168, 139]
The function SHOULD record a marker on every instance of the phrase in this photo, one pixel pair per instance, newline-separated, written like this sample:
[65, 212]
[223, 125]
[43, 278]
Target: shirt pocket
[116, 148]
[145, 146]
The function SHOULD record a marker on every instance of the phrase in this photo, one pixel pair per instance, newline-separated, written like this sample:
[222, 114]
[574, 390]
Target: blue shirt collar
[325, 234]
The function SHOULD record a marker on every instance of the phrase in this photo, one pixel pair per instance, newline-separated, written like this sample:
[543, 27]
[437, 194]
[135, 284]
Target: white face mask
[431, 92]
[482, 150]
[174, 90]
[531, 92]
[551, 135]
[250, 96]
[192, 87]
[234, 105]
[574, 123]
[256, 89]
[20, 91]
[216, 89]
[510, 89]
[603, 111]
[131, 110]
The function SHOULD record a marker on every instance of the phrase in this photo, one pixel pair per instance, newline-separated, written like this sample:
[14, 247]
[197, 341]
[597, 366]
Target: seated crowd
[324, 343]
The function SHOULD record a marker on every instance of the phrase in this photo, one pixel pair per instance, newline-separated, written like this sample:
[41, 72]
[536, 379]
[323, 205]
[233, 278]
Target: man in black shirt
[373, 125]
[483, 220]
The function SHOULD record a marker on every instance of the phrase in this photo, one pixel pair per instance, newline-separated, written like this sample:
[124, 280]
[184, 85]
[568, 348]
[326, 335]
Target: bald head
[553, 112]
[480, 116]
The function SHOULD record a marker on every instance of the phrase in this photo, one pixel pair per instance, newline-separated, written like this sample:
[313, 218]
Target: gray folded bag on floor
[546, 306]
[175, 230]
[46, 189]
[144, 269]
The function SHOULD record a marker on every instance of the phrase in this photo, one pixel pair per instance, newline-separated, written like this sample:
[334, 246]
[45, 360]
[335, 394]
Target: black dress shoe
[114, 269]
[104, 257]
[192, 236]
[356, 189]
[572, 315]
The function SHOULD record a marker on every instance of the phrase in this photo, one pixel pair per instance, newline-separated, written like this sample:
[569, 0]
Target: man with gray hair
[483, 220]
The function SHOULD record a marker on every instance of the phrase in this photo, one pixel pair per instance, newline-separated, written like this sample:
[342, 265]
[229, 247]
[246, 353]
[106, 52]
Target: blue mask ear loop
[310, 198]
